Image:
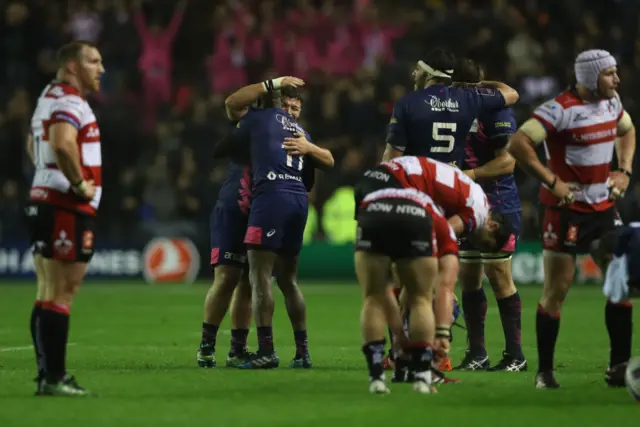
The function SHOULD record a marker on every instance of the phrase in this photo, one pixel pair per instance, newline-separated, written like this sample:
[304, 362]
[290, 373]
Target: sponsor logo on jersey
[174, 260]
[438, 104]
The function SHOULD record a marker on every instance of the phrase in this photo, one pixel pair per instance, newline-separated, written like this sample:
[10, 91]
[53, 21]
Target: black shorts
[396, 228]
[374, 179]
[572, 232]
[60, 234]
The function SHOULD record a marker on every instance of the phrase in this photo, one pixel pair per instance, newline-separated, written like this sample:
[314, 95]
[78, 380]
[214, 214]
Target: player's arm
[396, 133]
[30, 150]
[522, 146]
[510, 95]
[237, 104]
[502, 164]
[626, 142]
[457, 224]
[299, 145]
[63, 139]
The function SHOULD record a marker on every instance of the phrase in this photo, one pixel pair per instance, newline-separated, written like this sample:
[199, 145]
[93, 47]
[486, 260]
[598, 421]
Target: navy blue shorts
[469, 254]
[277, 222]
[228, 225]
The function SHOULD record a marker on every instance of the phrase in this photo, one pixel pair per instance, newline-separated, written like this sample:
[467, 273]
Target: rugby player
[579, 128]
[434, 119]
[463, 203]
[229, 261]
[403, 226]
[64, 144]
[488, 162]
[281, 155]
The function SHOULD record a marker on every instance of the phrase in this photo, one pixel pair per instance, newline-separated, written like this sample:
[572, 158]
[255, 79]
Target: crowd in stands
[170, 65]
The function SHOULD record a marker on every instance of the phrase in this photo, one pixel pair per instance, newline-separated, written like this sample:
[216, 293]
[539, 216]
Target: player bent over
[64, 199]
[399, 225]
[488, 163]
[281, 156]
[580, 127]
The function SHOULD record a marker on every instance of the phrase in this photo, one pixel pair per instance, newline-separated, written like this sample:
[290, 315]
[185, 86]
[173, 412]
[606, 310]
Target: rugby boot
[378, 386]
[438, 377]
[510, 363]
[68, 386]
[546, 379]
[205, 356]
[445, 365]
[261, 361]
[615, 375]
[236, 359]
[473, 362]
[301, 362]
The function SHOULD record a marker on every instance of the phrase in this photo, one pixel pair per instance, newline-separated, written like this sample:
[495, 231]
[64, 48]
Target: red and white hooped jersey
[453, 191]
[443, 238]
[579, 147]
[62, 103]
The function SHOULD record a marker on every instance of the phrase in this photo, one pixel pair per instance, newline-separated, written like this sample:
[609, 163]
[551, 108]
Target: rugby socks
[209, 334]
[474, 306]
[619, 320]
[373, 353]
[54, 331]
[547, 328]
[265, 340]
[238, 341]
[511, 316]
[35, 336]
[302, 343]
[421, 360]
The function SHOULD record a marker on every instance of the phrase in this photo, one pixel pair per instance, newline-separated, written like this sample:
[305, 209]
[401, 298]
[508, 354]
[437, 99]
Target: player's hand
[298, 145]
[85, 189]
[565, 192]
[441, 348]
[291, 81]
[618, 183]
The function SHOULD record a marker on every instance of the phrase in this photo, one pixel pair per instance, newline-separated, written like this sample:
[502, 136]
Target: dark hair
[503, 232]
[290, 92]
[442, 60]
[467, 71]
[71, 51]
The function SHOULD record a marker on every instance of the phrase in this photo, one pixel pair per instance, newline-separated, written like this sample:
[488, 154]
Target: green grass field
[134, 345]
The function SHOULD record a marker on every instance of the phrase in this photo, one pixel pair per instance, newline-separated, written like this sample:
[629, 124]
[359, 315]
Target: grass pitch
[134, 345]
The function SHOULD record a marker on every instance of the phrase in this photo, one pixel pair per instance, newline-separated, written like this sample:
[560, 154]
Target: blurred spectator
[170, 66]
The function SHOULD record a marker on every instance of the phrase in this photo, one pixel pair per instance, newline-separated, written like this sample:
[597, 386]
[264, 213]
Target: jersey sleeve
[67, 109]
[499, 126]
[484, 98]
[550, 115]
[397, 129]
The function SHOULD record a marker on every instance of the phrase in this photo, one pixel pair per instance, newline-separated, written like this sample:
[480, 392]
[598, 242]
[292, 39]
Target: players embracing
[282, 162]
[488, 163]
[581, 128]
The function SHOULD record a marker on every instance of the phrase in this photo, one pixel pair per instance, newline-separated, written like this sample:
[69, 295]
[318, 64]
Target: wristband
[553, 184]
[272, 84]
[624, 171]
[443, 332]
[79, 187]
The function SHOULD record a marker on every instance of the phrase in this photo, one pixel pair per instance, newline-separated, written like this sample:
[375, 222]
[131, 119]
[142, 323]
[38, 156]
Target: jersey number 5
[443, 132]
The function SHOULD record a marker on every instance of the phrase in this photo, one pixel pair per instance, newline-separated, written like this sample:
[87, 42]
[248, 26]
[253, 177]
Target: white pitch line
[25, 347]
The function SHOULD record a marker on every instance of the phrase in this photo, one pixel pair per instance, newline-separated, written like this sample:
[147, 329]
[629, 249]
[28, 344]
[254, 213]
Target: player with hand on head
[278, 211]
[580, 128]
[488, 163]
[64, 145]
